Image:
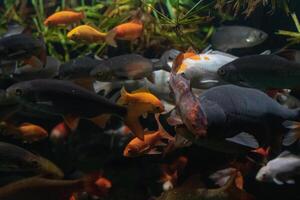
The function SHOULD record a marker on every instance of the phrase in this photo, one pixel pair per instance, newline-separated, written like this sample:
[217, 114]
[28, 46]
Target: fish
[27, 132]
[103, 186]
[262, 72]
[29, 72]
[237, 111]
[130, 66]
[36, 188]
[63, 98]
[60, 132]
[138, 103]
[78, 68]
[64, 18]
[16, 155]
[189, 110]
[88, 34]
[201, 69]
[170, 172]
[194, 188]
[235, 37]
[126, 31]
[222, 176]
[280, 170]
[21, 46]
[152, 140]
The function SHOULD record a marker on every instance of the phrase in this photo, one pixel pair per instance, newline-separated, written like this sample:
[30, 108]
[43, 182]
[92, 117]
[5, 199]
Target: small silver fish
[234, 37]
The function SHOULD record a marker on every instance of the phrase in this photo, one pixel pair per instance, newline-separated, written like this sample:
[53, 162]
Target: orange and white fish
[60, 132]
[64, 18]
[103, 186]
[152, 140]
[170, 172]
[27, 132]
[127, 31]
[139, 103]
[87, 34]
[201, 69]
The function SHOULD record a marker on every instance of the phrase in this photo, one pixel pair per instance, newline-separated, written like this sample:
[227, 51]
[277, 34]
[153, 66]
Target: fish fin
[89, 183]
[110, 38]
[191, 50]
[71, 121]
[153, 152]
[208, 83]
[266, 52]
[284, 154]
[163, 62]
[174, 119]
[136, 128]
[244, 139]
[101, 120]
[151, 78]
[177, 63]
[123, 98]
[221, 177]
[293, 134]
[288, 54]
[143, 89]
[160, 144]
[278, 182]
[291, 181]
[13, 28]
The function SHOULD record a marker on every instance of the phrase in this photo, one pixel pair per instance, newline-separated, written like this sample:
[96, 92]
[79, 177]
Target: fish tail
[124, 97]
[293, 133]
[110, 38]
[163, 62]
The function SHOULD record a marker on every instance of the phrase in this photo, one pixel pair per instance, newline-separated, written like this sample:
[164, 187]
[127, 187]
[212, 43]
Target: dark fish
[62, 97]
[78, 68]
[232, 110]
[262, 71]
[290, 54]
[21, 46]
[131, 66]
[235, 37]
[22, 159]
[37, 188]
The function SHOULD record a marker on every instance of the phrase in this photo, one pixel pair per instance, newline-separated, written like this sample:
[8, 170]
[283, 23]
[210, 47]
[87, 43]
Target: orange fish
[127, 31]
[178, 65]
[64, 18]
[139, 103]
[152, 140]
[103, 185]
[27, 132]
[60, 131]
[170, 172]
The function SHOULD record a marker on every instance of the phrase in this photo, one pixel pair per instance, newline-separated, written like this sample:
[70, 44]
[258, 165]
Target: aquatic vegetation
[293, 37]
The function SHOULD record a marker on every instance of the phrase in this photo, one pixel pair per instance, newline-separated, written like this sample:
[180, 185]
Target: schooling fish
[62, 98]
[280, 170]
[201, 69]
[37, 188]
[139, 103]
[21, 46]
[152, 140]
[17, 155]
[87, 34]
[130, 66]
[26, 131]
[231, 110]
[127, 31]
[189, 110]
[262, 71]
[64, 18]
[233, 37]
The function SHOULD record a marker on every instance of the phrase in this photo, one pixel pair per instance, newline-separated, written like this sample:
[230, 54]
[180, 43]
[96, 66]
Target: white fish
[281, 169]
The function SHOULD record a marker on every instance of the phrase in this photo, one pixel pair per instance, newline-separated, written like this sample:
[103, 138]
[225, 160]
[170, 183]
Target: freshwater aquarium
[149, 99]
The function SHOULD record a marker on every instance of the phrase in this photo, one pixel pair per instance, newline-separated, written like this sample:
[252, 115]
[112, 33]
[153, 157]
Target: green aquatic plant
[293, 37]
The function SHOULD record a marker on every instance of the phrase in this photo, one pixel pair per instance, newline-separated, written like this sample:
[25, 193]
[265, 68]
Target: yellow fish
[139, 103]
[87, 34]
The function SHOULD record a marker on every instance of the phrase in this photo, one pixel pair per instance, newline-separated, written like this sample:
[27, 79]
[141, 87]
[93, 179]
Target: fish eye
[19, 92]
[221, 72]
